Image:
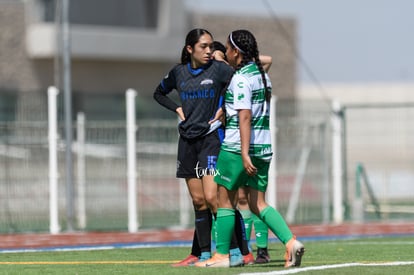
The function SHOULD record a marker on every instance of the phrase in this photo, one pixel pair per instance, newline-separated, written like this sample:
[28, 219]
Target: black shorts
[197, 157]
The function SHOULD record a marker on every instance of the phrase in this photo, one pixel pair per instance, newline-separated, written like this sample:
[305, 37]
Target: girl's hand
[180, 113]
[219, 56]
[250, 169]
[218, 116]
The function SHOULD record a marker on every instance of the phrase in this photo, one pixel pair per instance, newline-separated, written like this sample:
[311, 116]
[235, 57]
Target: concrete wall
[17, 71]
[21, 71]
[271, 40]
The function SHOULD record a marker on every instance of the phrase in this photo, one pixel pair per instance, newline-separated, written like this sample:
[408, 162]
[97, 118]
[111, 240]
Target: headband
[234, 44]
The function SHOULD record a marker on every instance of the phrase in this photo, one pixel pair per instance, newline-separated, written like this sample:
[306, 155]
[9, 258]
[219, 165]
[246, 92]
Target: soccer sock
[248, 221]
[276, 223]
[261, 231]
[195, 248]
[233, 242]
[225, 229]
[241, 233]
[203, 228]
[213, 227]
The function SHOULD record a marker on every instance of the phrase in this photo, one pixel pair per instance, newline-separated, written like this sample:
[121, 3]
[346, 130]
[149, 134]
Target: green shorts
[231, 173]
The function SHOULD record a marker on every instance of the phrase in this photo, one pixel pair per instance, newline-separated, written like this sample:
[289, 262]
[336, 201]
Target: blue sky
[341, 41]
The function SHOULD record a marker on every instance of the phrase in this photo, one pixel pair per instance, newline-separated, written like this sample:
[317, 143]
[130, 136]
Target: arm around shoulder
[266, 61]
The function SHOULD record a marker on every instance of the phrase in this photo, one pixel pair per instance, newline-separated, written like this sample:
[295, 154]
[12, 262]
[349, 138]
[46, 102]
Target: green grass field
[391, 255]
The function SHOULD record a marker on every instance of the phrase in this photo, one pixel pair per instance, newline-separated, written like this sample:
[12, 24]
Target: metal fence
[382, 141]
[379, 152]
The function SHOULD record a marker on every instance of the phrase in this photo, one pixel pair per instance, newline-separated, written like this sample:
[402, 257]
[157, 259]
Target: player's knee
[211, 200]
[199, 203]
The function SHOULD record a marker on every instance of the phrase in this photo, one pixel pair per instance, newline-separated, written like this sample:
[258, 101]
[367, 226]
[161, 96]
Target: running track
[42, 240]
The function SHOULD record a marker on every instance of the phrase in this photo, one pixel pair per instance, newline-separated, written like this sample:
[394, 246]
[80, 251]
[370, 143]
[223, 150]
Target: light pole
[68, 113]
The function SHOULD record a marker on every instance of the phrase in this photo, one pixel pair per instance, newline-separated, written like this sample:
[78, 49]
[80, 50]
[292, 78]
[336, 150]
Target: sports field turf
[390, 255]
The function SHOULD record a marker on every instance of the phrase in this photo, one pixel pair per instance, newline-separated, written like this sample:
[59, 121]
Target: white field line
[323, 267]
[372, 243]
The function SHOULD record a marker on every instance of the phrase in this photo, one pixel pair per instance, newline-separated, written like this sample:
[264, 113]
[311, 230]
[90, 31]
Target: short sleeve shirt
[246, 91]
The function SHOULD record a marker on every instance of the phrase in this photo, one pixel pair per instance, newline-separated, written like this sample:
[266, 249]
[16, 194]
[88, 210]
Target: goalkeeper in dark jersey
[199, 81]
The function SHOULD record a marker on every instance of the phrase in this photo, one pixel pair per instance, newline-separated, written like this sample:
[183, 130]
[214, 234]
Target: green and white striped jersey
[246, 91]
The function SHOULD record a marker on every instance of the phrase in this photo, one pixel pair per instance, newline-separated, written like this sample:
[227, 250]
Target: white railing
[53, 162]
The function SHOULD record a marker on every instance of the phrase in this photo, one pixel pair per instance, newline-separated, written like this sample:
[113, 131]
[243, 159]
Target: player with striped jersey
[246, 152]
[249, 94]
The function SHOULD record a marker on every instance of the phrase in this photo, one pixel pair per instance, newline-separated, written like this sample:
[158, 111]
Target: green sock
[276, 223]
[248, 221]
[213, 229]
[225, 228]
[261, 231]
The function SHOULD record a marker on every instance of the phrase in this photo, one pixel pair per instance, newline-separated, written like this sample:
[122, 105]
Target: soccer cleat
[294, 253]
[262, 256]
[218, 260]
[248, 259]
[236, 258]
[190, 260]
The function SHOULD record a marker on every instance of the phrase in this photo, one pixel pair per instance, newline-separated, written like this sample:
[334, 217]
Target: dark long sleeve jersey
[200, 91]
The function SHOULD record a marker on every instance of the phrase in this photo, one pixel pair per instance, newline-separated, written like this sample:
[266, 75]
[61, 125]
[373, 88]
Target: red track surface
[9, 241]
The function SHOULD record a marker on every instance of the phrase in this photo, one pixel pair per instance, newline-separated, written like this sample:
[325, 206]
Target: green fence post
[358, 205]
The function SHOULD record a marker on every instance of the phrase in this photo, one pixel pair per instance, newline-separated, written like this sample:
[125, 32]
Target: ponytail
[245, 42]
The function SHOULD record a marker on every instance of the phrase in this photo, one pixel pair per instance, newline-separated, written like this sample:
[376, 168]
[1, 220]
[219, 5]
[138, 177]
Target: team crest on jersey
[206, 82]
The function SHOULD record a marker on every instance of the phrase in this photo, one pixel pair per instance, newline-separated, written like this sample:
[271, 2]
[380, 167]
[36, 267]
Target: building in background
[121, 44]
[115, 45]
